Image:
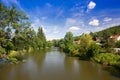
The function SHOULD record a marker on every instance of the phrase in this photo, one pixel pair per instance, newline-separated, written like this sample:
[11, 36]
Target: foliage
[41, 38]
[13, 60]
[117, 44]
[93, 50]
[16, 34]
[2, 50]
[109, 32]
[104, 36]
[86, 41]
[68, 38]
[13, 53]
[68, 41]
[49, 44]
[108, 58]
[61, 44]
[75, 51]
[9, 46]
[77, 38]
[85, 48]
[56, 42]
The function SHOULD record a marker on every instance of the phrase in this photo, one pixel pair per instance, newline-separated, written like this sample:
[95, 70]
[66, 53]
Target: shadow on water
[112, 70]
[1, 66]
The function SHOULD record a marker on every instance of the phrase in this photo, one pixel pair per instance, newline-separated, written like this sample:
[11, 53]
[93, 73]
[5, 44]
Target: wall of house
[118, 38]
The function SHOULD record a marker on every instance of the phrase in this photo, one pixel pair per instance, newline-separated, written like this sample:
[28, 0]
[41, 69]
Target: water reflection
[54, 65]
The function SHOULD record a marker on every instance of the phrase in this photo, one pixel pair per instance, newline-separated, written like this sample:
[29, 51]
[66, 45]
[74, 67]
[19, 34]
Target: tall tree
[3, 16]
[86, 41]
[68, 41]
[41, 38]
[69, 38]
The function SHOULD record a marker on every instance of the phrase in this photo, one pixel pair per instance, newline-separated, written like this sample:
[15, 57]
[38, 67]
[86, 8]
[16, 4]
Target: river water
[54, 65]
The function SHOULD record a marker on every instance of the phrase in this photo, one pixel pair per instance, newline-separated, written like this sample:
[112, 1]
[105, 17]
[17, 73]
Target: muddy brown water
[54, 65]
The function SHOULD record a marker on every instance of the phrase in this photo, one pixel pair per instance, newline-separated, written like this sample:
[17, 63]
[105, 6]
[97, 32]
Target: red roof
[115, 36]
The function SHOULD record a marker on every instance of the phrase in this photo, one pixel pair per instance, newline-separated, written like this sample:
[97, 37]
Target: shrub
[13, 60]
[118, 44]
[108, 58]
[2, 50]
[93, 50]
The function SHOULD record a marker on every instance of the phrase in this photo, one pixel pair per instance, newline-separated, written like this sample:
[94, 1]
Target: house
[77, 42]
[97, 39]
[115, 37]
[117, 49]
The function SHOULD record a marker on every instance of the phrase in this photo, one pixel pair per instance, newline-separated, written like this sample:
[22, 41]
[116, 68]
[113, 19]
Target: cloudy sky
[78, 16]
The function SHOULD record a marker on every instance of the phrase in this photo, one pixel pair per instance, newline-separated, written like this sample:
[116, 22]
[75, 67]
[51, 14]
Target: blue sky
[78, 16]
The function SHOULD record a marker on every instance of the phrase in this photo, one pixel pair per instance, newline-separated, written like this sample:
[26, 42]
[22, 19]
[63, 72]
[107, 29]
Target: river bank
[14, 57]
[54, 65]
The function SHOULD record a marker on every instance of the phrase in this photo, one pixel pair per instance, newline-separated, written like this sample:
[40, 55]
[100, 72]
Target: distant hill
[104, 34]
[108, 32]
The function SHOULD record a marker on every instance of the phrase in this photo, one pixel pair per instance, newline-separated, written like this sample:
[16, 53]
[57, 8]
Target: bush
[13, 60]
[13, 53]
[16, 55]
[118, 44]
[93, 50]
[69, 49]
[2, 50]
[9, 46]
[108, 58]
[75, 52]
[62, 46]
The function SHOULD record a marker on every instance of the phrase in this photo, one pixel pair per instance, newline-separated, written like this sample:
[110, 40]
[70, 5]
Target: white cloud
[79, 14]
[37, 23]
[55, 30]
[94, 22]
[73, 24]
[74, 28]
[107, 19]
[114, 22]
[70, 21]
[91, 5]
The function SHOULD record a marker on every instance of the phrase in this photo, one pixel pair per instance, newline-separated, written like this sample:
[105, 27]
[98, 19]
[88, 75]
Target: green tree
[118, 44]
[3, 16]
[32, 38]
[41, 38]
[68, 38]
[9, 46]
[93, 50]
[85, 42]
[61, 44]
[68, 41]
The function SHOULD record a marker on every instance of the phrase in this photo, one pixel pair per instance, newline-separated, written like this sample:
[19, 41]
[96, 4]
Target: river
[54, 65]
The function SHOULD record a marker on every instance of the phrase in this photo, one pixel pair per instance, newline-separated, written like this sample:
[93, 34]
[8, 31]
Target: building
[77, 42]
[115, 37]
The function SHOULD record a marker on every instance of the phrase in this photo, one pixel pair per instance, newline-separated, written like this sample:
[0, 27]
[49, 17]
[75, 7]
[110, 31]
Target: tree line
[101, 51]
[16, 33]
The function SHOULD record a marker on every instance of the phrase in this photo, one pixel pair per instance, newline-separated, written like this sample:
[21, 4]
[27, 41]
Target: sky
[57, 17]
